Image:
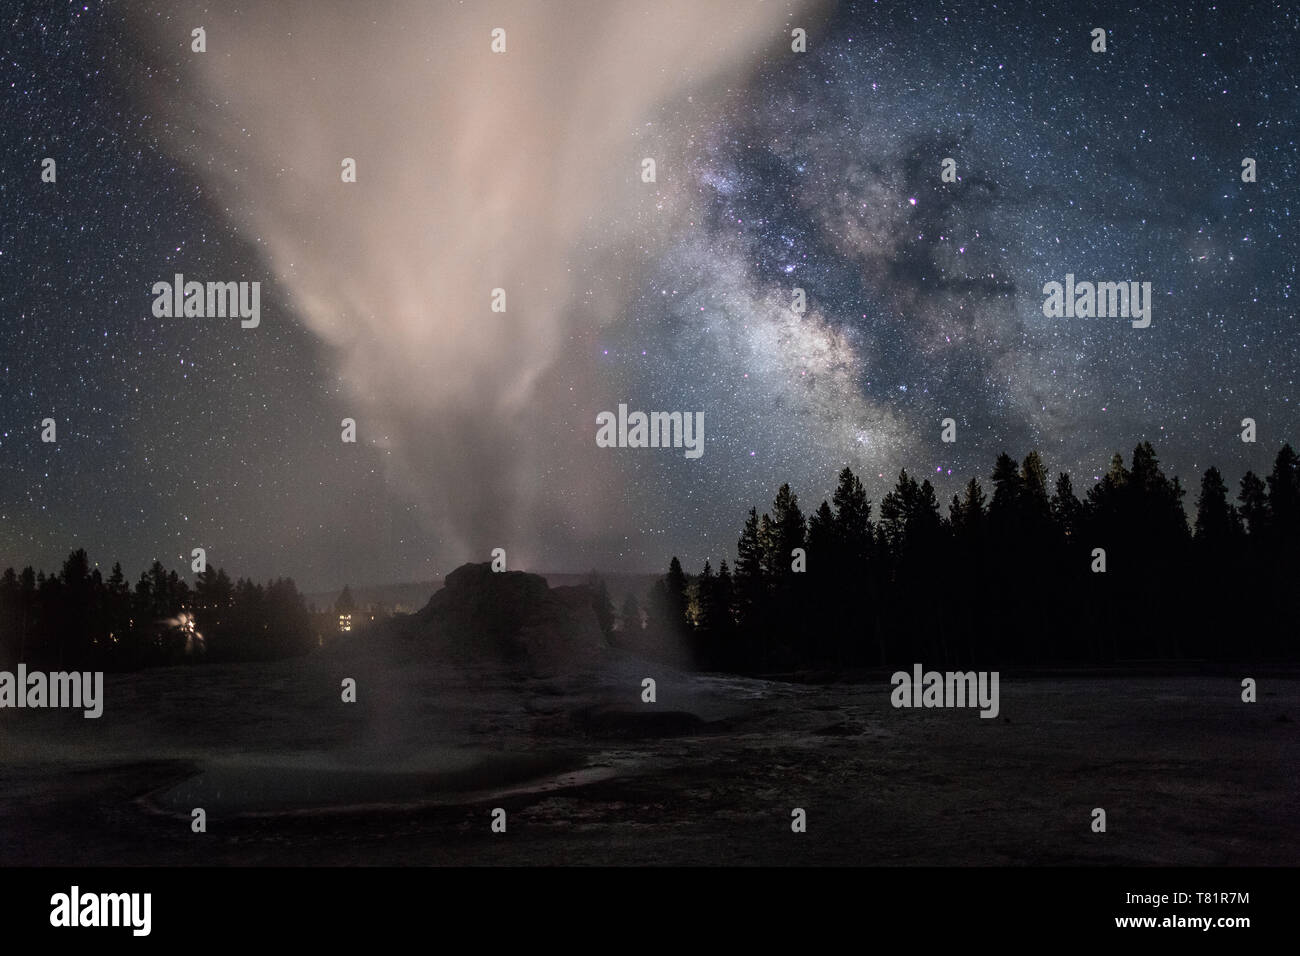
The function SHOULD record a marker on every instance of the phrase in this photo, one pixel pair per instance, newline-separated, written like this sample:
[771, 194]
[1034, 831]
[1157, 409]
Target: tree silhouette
[1010, 578]
[750, 603]
[1217, 522]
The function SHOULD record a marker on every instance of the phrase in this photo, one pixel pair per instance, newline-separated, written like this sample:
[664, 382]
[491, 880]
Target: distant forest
[78, 620]
[1002, 578]
[1006, 577]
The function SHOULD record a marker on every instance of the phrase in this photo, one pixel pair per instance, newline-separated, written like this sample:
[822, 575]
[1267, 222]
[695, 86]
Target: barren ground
[709, 774]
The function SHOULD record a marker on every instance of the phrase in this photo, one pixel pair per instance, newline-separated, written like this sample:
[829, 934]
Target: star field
[818, 170]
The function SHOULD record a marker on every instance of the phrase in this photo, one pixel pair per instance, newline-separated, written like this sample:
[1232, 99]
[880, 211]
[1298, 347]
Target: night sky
[522, 171]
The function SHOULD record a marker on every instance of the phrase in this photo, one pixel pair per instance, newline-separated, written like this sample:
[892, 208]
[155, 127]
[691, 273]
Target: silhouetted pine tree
[967, 514]
[1067, 510]
[723, 619]
[1217, 522]
[675, 582]
[1284, 495]
[750, 588]
[858, 575]
[702, 594]
[1004, 508]
[787, 531]
[1254, 506]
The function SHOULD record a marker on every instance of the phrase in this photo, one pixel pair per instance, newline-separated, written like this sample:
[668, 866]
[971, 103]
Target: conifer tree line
[77, 619]
[1008, 575]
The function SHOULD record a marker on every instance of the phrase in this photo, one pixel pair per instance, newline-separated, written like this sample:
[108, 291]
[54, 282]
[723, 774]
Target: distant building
[345, 607]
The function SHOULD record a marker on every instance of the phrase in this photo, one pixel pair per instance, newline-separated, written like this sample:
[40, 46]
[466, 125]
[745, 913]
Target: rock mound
[511, 617]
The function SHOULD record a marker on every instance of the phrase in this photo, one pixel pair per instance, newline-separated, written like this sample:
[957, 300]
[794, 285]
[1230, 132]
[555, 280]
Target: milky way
[776, 170]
